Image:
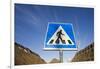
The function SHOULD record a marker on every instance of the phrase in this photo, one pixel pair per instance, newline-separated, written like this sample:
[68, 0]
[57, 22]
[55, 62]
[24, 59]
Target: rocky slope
[24, 56]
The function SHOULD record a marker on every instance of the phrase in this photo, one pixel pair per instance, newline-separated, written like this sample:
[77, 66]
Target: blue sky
[31, 24]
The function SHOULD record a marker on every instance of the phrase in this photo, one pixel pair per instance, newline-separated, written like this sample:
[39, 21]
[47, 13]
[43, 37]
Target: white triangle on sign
[63, 39]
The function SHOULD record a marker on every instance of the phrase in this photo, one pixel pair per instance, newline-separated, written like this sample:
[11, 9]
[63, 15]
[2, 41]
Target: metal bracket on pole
[61, 55]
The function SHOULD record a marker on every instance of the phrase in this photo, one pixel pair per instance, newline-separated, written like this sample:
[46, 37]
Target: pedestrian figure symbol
[59, 33]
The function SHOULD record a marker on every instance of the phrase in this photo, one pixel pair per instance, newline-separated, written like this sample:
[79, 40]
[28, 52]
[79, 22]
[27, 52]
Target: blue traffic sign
[60, 36]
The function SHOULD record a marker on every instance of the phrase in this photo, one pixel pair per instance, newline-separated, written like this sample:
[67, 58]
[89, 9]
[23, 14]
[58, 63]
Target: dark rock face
[86, 54]
[24, 56]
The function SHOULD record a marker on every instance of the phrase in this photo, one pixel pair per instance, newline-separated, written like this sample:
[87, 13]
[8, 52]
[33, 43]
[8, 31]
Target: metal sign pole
[61, 56]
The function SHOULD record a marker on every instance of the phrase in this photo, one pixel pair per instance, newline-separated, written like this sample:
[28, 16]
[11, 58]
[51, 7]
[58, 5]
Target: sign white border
[57, 49]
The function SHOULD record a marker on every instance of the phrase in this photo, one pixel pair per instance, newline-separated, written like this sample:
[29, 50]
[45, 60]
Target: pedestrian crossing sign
[60, 36]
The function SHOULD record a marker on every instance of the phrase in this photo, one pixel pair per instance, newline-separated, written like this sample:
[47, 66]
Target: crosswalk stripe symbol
[60, 37]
